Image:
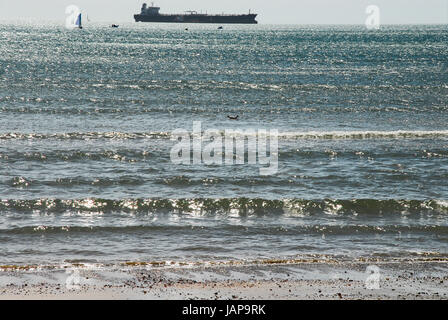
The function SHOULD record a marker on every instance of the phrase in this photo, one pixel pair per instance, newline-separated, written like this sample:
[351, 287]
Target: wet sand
[298, 281]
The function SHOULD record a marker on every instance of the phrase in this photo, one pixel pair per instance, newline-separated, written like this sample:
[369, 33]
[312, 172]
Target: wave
[124, 180]
[422, 257]
[168, 85]
[348, 229]
[85, 136]
[159, 157]
[293, 135]
[136, 155]
[356, 135]
[231, 206]
[121, 155]
[97, 106]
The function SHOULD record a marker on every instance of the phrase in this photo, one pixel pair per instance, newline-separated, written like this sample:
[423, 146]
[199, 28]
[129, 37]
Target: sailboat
[78, 22]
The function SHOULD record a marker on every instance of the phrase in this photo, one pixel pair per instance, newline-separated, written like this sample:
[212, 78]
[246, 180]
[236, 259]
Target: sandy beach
[292, 281]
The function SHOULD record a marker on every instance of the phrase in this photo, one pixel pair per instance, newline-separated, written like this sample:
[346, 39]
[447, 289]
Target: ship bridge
[150, 11]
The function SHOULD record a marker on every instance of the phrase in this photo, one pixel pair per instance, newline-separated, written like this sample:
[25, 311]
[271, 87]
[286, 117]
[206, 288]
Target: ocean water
[86, 118]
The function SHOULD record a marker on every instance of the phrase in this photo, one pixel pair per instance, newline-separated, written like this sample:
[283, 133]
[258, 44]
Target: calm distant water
[86, 118]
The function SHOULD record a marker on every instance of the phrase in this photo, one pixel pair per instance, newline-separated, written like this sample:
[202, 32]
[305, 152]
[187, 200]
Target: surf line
[226, 147]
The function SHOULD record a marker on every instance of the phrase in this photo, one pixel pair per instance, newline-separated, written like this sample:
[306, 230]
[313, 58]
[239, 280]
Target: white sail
[78, 22]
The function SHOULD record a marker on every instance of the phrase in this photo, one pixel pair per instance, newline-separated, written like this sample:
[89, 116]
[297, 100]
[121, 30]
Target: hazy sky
[270, 11]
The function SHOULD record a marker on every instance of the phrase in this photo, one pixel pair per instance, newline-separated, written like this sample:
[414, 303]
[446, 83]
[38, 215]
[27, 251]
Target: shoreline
[296, 281]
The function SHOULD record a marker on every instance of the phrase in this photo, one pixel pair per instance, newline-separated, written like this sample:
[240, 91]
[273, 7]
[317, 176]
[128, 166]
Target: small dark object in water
[233, 118]
[115, 26]
[220, 28]
[186, 29]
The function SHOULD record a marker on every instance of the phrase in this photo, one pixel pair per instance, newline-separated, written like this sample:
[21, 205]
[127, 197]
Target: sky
[270, 11]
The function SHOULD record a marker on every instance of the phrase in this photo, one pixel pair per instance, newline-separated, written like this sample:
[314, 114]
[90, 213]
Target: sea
[86, 138]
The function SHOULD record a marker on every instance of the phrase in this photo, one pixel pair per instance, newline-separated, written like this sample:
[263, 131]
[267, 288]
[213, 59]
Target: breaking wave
[321, 135]
[232, 206]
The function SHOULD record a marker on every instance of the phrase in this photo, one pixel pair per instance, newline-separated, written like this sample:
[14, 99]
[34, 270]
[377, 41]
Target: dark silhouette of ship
[152, 14]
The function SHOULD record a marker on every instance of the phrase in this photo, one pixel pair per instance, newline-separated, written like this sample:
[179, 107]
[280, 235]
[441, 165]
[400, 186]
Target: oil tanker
[152, 14]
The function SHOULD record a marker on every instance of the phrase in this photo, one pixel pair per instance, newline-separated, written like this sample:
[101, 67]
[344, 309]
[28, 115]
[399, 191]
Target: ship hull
[192, 18]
